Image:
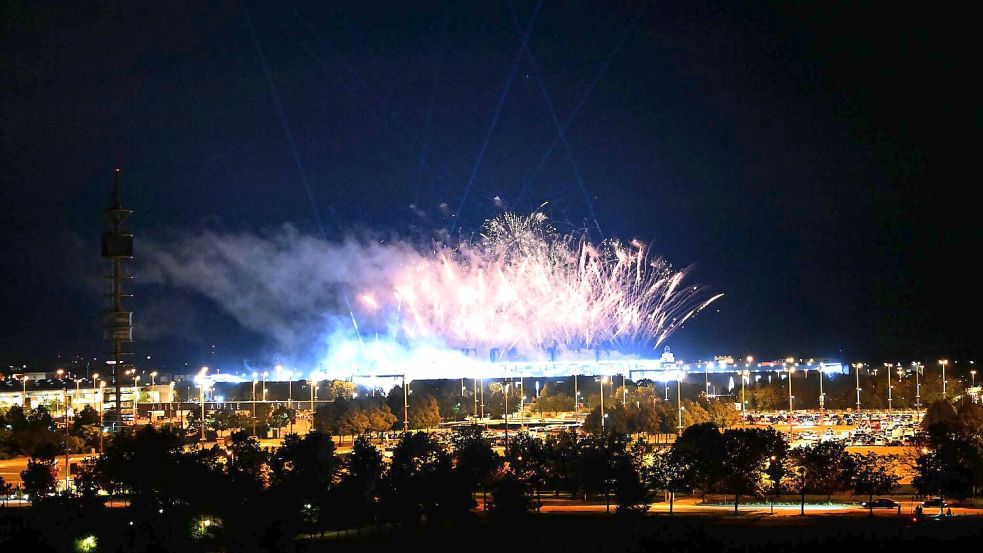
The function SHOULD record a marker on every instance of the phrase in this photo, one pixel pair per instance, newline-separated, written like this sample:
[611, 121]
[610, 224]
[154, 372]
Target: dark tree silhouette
[701, 448]
[872, 474]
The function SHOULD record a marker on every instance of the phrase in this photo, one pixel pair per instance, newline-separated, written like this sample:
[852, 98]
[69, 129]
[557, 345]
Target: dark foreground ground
[55, 528]
[568, 533]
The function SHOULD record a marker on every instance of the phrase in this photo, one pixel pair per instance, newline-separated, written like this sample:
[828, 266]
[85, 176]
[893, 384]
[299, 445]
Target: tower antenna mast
[117, 247]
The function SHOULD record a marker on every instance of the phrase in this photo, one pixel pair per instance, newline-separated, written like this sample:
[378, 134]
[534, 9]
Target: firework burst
[522, 286]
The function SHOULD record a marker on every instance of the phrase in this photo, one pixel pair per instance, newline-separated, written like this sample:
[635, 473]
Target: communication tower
[117, 247]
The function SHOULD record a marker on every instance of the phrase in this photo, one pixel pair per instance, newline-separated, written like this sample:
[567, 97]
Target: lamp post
[602, 404]
[95, 377]
[856, 372]
[822, 395]
[522, 400]
[576, 396]
[624, 390]
[23, 381]
[918, 387]
[290, 389]
[254, 404]
[943, 363]
[102, 387]
[679, 407]
[505, 390]
[972, 376]
[791, 370]
[406, 407]
[887, 369]
[744, 375]
[311, 382]
[201, 388]
[153, 378]
[706, 380]
[136, 396]
[68, 466]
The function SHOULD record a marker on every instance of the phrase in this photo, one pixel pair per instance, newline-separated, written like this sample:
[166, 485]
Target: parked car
[935, 502]
[880, 503]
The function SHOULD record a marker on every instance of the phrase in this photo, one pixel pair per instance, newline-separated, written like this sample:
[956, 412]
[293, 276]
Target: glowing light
[521, 288]
[86, 544]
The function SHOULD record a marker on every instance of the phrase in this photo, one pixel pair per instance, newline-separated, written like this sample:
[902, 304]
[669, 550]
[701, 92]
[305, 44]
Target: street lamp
[856, 371]
[603, 378]
[744, 376]
[943, 363]
[576, 396]
[290, 388]
[918, 385]
[706, 380]
[505, 393]
[887, 369]
[254, 404]
[153, 378]
[264, 385]
[201, 388]
[311, 382]
[791, 369]
[972, 376]
[406, 407]
[24, 380]
[822, 396]
[679, 406]
[68, 466]
[102, 387]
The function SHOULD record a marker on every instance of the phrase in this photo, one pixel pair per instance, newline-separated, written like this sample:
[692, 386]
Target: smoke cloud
[285, 285]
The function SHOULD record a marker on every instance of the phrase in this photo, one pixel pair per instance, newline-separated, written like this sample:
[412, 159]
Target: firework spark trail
[522, 285]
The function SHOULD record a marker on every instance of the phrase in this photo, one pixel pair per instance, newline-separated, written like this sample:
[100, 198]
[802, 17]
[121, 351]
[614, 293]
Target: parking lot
[855, 429]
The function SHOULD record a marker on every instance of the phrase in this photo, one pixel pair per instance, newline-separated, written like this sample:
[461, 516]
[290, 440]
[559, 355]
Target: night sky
[814, 161]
